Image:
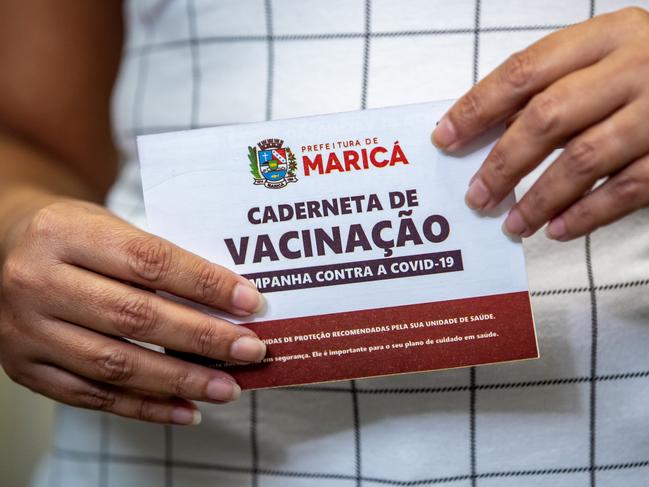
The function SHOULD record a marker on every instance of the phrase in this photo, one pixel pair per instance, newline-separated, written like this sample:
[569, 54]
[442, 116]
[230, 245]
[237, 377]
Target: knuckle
[519, 69]
[632, 23]
[581, 212]
[136, 317]
[144, 410]
[210, 282]
[205, 338]
[148, 257]
[98, 399]
[469, 110]
[581, 159]
[634, 14]
[47, 222]
[627, 190]
[17, 275]
[543, 114]
[182, 384]
[536, 204]
[115, 365]
[496, 165]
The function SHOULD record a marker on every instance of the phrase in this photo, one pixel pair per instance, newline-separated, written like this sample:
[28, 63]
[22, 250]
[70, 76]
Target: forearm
[30, 179]
[58, 64]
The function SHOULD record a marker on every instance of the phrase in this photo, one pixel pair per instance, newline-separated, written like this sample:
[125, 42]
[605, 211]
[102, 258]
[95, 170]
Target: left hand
[586, 88]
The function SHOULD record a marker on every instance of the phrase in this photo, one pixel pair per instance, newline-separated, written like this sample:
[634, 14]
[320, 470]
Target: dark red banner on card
[386, 341]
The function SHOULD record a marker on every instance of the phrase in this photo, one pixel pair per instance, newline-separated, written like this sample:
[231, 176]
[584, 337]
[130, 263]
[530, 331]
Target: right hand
[66, 303]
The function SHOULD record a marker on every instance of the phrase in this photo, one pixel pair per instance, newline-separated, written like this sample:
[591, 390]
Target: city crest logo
[271, 164]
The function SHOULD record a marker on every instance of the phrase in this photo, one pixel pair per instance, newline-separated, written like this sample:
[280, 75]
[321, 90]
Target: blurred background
[25, 431]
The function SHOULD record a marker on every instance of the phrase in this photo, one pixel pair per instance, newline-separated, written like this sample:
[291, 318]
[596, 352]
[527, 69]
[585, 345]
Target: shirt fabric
[576, 417]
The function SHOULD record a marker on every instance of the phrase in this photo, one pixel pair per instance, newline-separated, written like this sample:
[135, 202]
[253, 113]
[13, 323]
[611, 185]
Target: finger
[106, 360]
[622, 194]
[112, 308]
[601, 150]
[120, 250]
[77, 391]
[501, 93]
[510, 121]
[563, 109]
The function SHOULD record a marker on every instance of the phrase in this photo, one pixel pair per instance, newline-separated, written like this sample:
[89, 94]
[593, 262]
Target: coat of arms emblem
[271, 164]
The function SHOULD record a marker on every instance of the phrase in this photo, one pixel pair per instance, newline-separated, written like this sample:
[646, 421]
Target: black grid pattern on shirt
[81, 456]
[103, 458]
[145, 49]
[473, 392]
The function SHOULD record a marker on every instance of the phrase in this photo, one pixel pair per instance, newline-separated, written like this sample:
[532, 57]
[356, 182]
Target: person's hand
[586, 88]
[66, 301]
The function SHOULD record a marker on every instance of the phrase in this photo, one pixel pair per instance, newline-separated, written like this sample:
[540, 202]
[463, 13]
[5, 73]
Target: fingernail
[478, 195]
[556, 229]
[514, 223]
[246, 298]
[248, 349]
[444, 134]
[186, 416]
[223, 390]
